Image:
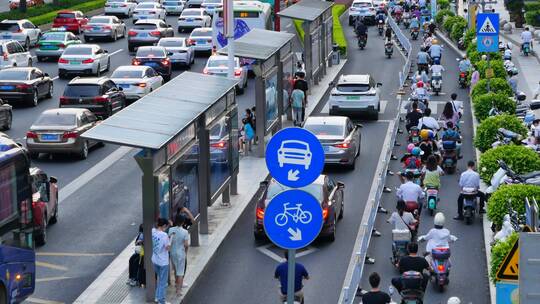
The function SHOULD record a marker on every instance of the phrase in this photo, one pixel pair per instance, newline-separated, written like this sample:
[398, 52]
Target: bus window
[8, 193]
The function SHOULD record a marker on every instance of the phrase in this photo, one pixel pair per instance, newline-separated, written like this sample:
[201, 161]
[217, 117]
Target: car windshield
[13, 75]
[172, 3]
[57, 119]
[10, 27]
[150, 53]
[127, 74]
[172, 43]
[362, 4]
[53, 37]
[201, 33]
[353, 88]
[78, 51]
[146, 5]
[215, 63]
[81, 90]
[66, 15]
[313, 189]
[145, 27]
[191, 13]
[99, 20]
[324, 129]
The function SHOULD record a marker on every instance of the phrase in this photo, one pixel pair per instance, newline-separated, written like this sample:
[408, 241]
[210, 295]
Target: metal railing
[356, 264]
[406, 46]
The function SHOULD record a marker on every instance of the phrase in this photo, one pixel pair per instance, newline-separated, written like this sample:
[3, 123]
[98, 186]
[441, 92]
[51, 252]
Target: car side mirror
[46, 75]
[379, 84]
[120, 89]
[105, 51]
[340, 185]
[53, 180]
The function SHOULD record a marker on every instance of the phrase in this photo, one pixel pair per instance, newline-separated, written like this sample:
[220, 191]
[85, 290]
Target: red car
[72, 21]
[44, 202]
[14, 4]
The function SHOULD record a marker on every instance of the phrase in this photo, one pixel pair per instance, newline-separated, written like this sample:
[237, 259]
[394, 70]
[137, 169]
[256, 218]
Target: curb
[485, 222]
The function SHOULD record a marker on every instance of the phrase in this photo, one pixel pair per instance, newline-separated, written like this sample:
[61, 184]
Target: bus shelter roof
[306, 10]
[259, 44]
[153, 121]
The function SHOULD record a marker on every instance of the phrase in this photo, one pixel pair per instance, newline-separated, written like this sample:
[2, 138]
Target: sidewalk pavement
[110, 287]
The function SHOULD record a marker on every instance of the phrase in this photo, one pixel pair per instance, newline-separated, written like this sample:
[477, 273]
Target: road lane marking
[87, 176]
[116, 52]
[54, 78]
[73, 254]
[51, 279]
[42, 301]
[51, 266]
[266, 251]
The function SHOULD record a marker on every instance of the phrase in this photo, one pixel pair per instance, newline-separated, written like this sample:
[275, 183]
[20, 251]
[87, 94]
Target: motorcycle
[362, 40]
[440, 263]
[414, 136]
[400, 240]
[388, 49]
[432, 196]
[449, 156]
[406, 20]
[414, 33]
[505, 175]
[436, 83]
[470, 204]
[506, 137]
[526, 48]
[423, 67]
[412, 290]
[397, 17]
[462, 79]
[380, 27]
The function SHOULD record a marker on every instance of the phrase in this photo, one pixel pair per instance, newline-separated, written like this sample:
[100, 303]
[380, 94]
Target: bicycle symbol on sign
[295, 213]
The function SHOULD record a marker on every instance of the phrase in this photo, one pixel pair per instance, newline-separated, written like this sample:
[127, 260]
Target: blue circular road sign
[294, 157]
[293, 219]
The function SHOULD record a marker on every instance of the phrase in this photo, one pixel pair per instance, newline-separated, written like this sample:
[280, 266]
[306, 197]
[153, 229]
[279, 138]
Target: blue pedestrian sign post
[294, 157]
[487, 33]
[293, 219]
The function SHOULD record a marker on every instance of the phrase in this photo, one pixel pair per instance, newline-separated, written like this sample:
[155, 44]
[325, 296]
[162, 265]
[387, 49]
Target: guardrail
[406, 46]
[356, 264]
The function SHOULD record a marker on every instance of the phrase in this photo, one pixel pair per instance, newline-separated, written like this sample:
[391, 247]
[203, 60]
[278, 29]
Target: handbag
[411, 232]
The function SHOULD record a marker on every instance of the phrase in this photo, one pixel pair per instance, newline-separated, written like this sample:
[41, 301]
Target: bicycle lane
[468, 276]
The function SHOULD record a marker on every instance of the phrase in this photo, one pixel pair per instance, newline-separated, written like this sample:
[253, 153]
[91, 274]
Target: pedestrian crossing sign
[487, 24]
[509, 269]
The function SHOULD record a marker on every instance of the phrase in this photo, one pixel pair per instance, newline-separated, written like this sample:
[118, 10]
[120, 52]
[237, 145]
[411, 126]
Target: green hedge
[458, 29]
[44, 14]
[497, 66]
[476, 56]
[483, 103]
[533, 17]
[498, 85]
[499, 252]
[519, 158]
[449, 22]
[443, 4]
[532, 6]
[439, 18]
[497, 205]
[469, 36]
[486, 132]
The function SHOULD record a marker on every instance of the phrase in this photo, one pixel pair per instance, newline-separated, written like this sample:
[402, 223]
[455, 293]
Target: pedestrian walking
[301, 83]
[160, 258]
[137, 275]
[297, 103]
[179, 247]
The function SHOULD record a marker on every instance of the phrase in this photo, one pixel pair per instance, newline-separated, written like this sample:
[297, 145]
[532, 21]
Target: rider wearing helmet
[453, 300]
[438, 236]
[415, 24]
[420, 91]
[411, 162]
[465, 64]
[435, 51]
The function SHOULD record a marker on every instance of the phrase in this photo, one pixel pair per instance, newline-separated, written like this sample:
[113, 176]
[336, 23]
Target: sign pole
[488, 68]
[228, 31]
[290, 276]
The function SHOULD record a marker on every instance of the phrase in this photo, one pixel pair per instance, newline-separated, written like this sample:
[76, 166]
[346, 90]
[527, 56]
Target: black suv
[155, 57]
[99, 95]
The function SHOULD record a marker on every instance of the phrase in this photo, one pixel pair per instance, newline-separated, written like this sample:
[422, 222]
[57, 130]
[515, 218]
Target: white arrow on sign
[295, 235]
[293, 175]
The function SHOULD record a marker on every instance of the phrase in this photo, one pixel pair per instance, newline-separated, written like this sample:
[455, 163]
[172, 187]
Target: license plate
[124, 86]
[74, 62]
[50, 137]
[114, 6]
[189, 19]
[202, 41]
[353, 97]
[48, 47]
[326, 148]
[143, 34]
[6, 36]
[96, 28]
[6, 87]
[210, 7]
[151, 64]
[142, 17]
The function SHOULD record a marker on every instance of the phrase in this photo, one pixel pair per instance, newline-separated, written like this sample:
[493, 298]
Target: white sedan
[22, 30]
[83, 59]
[149, 10]
[120, 7]
[104, 27]
[173, 7]
[192, 18]
[218, 65]
[136, 81]
[210, 6]
[201, 39]
[180, 52]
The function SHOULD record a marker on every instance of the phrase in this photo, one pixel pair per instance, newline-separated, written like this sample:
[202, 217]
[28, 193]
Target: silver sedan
[339, 136]
[180, 50]
[104, 27]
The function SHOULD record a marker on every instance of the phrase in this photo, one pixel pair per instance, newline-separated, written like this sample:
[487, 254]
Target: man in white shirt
[537, 93]
[526, 37]
[160, 258]
[409, 191]
[428, 122]
[470, 179]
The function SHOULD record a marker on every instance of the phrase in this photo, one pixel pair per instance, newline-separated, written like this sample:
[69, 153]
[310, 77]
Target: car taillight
[89, 60]
[107, 27]
[132, 33]
[153, 13]
[135, 61]
[70, 134]
[63, 100]
[31, 134]
[440, 268]
[220, 144]
[205, 71]
[123, 5]
[325, 213]
[238, 72]
[259, 213]
[18, 31]
[166, 61]
[86, 27]
[100, 99]
[62, 60]
[191, 42]
[209, 40]
[5, 55]
[155, 33]
[141, 85]
[23, 87]
[343, 145]
[462, 75]
[61, 45]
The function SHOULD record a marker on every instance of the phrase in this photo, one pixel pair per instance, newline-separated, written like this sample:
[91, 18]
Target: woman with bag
[136, 261]
[403, 220]
[179, 247]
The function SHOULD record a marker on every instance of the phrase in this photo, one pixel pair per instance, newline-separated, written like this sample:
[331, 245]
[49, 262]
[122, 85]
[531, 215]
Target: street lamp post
[228, 31]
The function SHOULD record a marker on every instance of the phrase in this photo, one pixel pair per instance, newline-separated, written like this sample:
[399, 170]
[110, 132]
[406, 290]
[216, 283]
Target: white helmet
[439, 219]
[454, 300]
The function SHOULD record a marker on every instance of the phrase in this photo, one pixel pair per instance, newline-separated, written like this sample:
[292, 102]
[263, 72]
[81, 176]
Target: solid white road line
[87, 176]
[54, 78]
[116, 52]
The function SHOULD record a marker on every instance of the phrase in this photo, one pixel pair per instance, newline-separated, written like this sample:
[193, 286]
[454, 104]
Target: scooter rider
[454, 300]
[410, 192]
[435, 51]
[380, 17]
[526, 37]
[422, 60]
[375, 296]
[415, 24]
[411, 162]
[360, 28]
[465, 64]
[470, 179]
[437, 236]
[300, 274]
[450, 134]
[412, 262]
[436, 70]
[420, 92]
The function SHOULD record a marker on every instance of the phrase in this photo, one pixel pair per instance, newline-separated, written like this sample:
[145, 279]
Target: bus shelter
[272, 62]
[318, 31]
[187, 131]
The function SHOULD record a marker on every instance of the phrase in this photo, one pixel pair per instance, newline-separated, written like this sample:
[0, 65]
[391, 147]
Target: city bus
[17, 257]
[247, 15]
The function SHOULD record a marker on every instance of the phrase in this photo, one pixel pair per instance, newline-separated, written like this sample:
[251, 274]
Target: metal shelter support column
[204, 173]
[324, 51]
[260, 103]
[307, 53]
[149, 202]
